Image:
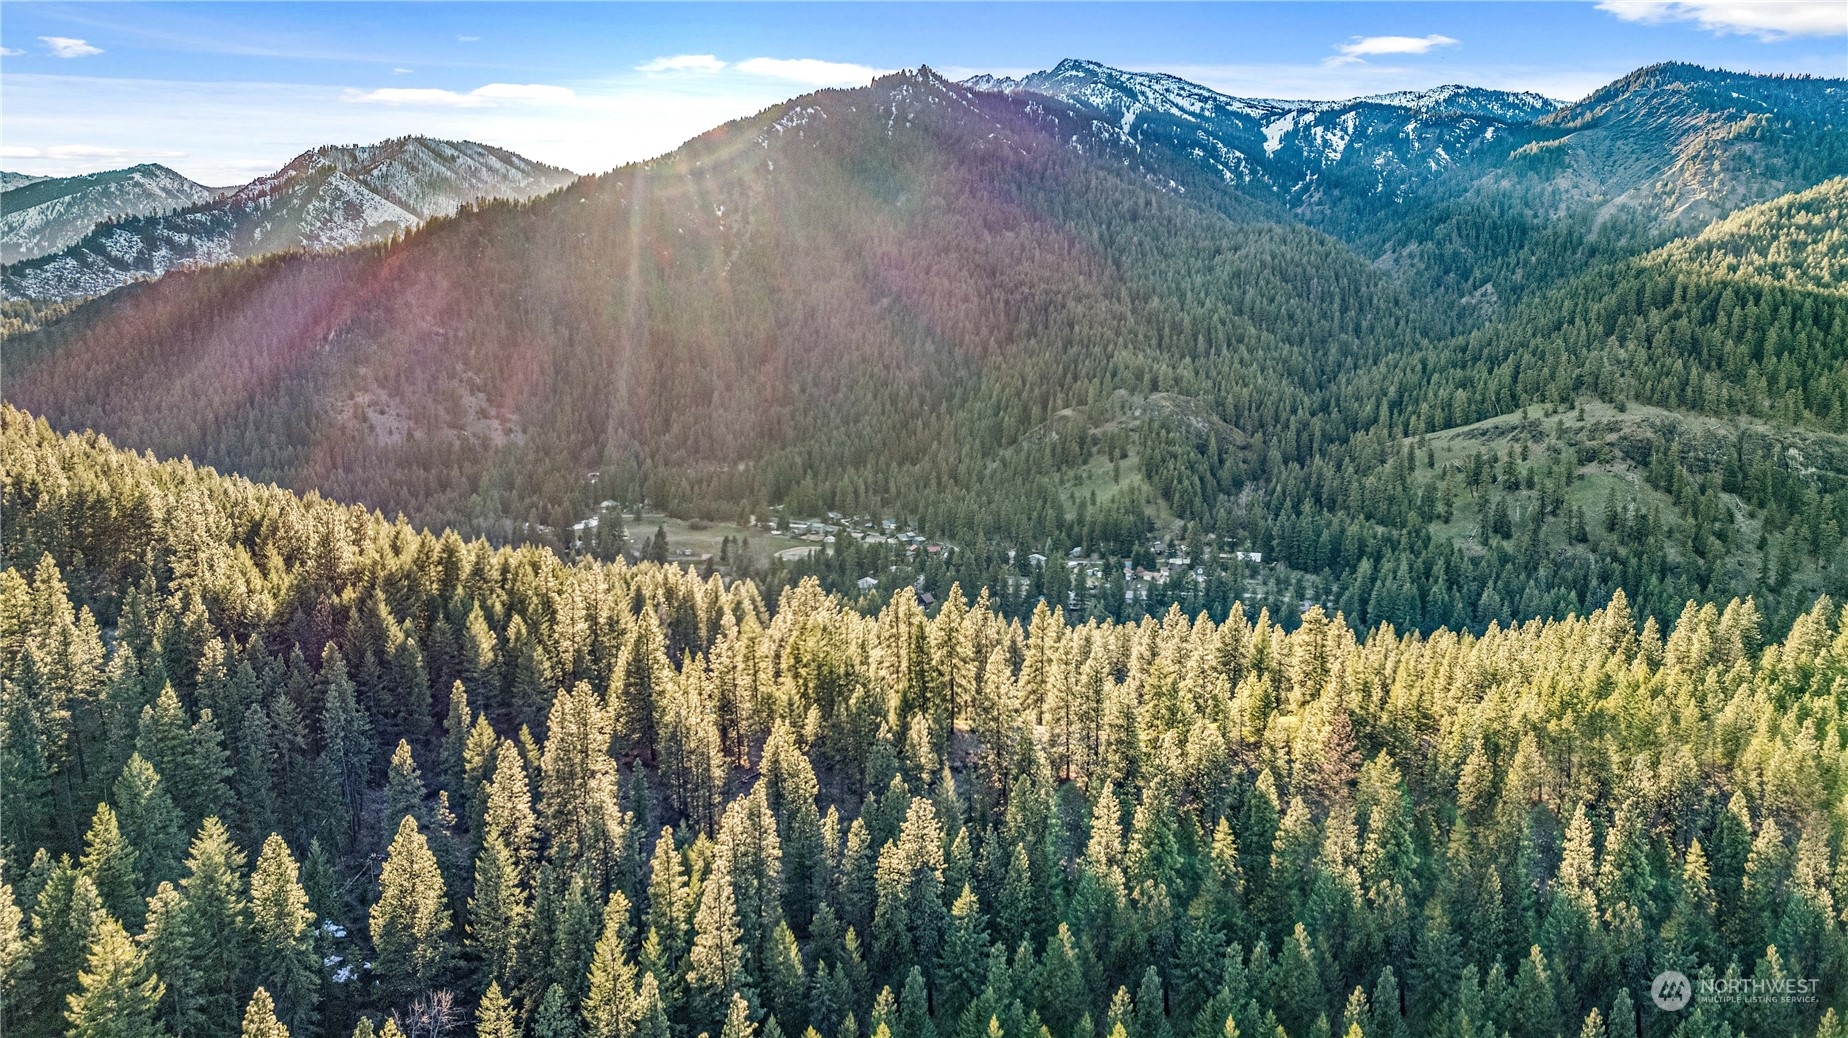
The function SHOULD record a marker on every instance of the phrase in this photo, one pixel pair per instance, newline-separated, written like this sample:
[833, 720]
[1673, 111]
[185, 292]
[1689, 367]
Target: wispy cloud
[402, 71]
[810, 71]
[481, 96]
[80, 151]
[1766, 19]
[468, 39]
[68, 47]
[683, 63]
[1360, 48]
[10, 52]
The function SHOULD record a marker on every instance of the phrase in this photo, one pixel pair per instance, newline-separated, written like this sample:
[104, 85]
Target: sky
[225, 92]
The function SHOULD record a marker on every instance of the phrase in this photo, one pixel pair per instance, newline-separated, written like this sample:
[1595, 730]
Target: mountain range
[41, 215]
[1078, 308]
[83, 236]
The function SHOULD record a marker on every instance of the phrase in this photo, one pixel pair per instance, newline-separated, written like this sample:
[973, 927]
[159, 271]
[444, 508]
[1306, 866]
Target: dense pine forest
[276, 766]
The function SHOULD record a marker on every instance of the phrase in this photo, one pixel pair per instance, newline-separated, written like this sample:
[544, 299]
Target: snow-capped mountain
[42, 215]
[1456, 99]
[10, 180]
[1677, 143]
[1384, 144]
[329, 198]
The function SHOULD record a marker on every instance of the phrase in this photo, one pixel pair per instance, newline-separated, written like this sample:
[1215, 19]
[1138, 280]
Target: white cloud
[68, 47]
[479, 97]
[810, 71]
[1765, 19]
[81, 151]
[1361, 48]
[10, 52]
[683, 63]
[468, 39]
[402, 71]
[523, 92]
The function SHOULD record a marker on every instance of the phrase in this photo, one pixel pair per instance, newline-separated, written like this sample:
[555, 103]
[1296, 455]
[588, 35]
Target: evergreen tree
[410, 920]
[117, 995]
[608, 1008]
[282, 937]
[494, 1018]
[109, 861]
[260, 1018]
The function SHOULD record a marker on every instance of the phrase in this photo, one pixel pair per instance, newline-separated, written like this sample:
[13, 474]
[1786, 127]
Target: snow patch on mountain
[329, 198]
[43, 215]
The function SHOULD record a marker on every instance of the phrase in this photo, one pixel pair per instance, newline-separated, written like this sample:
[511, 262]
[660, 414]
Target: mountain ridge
[1013, 321]
[45, 215]
[329, 197]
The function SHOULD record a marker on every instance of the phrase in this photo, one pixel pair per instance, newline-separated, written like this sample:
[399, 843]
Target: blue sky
[226, 91]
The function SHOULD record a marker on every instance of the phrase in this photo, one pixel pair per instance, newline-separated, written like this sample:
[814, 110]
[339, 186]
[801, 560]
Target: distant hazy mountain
[328, 198]
[41, 215]
[9, 181]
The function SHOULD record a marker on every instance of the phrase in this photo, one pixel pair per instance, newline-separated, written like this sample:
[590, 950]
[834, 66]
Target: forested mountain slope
[1799, 240]
[275, 761]
[1732, 481]
[859, 299]
[1032, 323]
[328, 198]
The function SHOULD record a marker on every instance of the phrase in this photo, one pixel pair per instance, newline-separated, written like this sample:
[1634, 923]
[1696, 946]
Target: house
[867, 583]
[1036, 560]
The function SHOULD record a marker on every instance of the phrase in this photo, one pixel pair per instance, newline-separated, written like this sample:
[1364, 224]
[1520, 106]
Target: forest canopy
[274, 766]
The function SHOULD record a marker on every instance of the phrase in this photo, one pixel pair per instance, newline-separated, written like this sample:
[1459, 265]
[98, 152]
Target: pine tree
[117, 995]
[914, 1008]
[738, 1023]
[410, 920]
[508, 814]
[14, 962]
[404, 786]
[717, 956]
[608, 1008]
[282, 932]
[650, 1014]
[553, 1018]
[494, 1018]
[498, 912]
[149, 822]
[260, 1018]
[109, 861]
[346, 755]
[65, 916]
